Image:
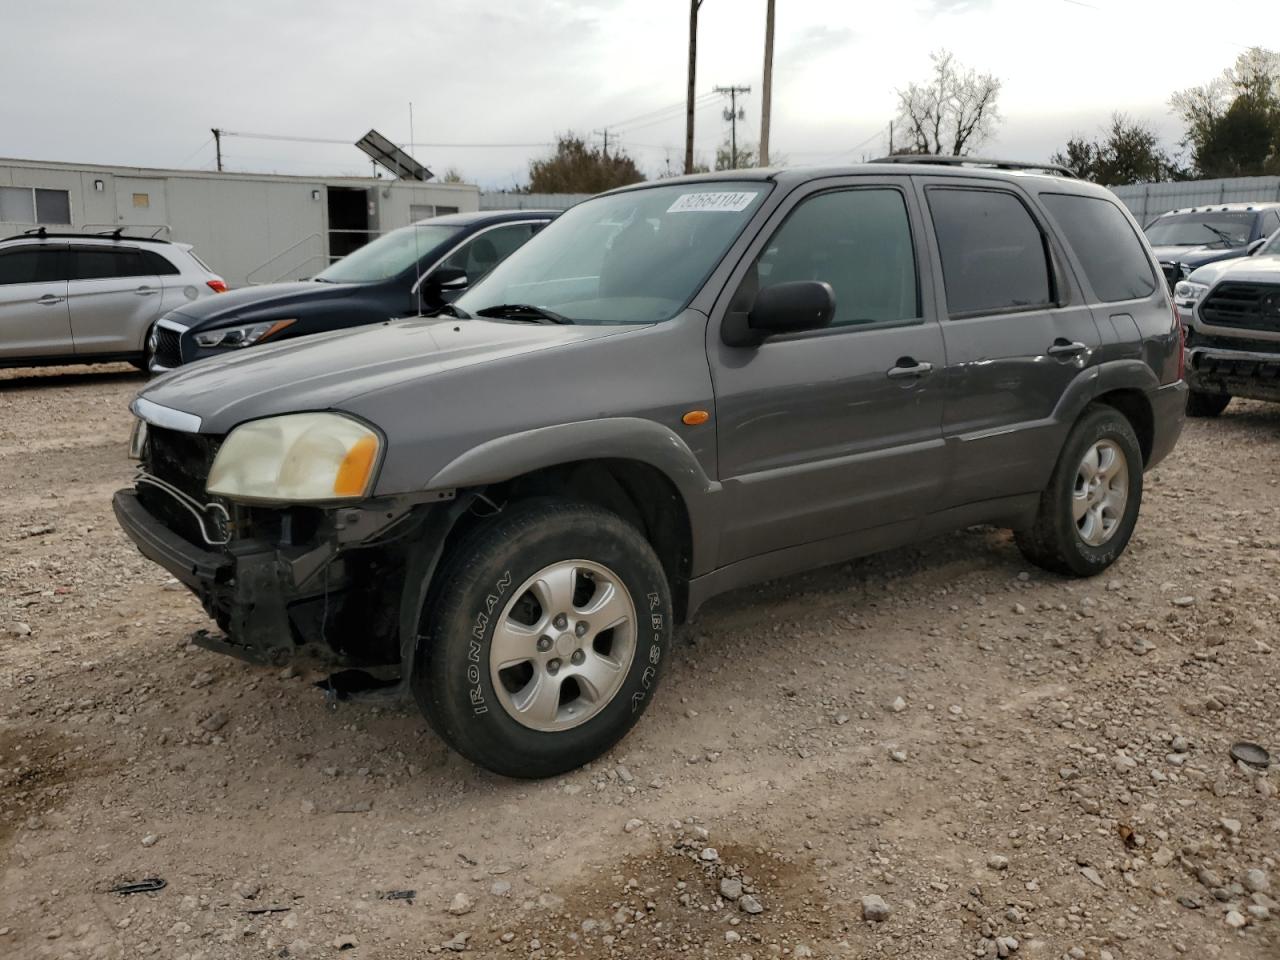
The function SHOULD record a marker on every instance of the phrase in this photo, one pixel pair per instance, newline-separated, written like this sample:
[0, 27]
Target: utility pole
[767, 107]
[733, 115]
[693, 72]
[891, 138]
[604, 133]
[217, 145]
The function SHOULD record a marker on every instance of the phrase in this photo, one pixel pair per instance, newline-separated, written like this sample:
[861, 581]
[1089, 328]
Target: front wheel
[1089, 508]
[1200, 404]
[545, 640]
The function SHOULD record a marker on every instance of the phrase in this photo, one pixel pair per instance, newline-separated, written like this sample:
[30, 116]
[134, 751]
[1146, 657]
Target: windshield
[632, 257]
[389, 255]
[1201, 230]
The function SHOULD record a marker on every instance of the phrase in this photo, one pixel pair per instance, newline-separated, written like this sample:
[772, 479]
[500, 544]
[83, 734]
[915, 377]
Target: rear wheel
[1200, 404]
[1089, 508]
[546, 639]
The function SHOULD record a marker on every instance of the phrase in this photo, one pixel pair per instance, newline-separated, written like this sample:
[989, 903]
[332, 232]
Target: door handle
[1062, 348]
[908, 369]
[146, 291]
[49, 300]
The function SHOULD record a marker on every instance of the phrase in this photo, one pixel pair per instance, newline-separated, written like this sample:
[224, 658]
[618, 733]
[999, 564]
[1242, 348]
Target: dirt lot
[1015, 763]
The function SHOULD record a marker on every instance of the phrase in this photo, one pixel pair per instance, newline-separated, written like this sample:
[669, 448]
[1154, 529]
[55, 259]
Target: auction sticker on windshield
[712, 202]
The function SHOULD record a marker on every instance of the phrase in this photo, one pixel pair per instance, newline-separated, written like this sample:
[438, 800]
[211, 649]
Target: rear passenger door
[1017, 334]
[831, 432]
[34, 321]
[114, 295]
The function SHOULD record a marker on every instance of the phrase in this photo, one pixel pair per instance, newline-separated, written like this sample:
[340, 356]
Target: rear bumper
[1254, 374]
[1169, 412]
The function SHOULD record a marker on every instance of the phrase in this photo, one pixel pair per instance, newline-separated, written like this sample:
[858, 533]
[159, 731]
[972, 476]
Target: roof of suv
[963, 166]
[1240, 207]
[115, 236]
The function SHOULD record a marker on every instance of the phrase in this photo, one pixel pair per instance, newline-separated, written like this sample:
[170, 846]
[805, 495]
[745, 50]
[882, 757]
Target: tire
[575, 710]
[1060, 542]
[1200, 404]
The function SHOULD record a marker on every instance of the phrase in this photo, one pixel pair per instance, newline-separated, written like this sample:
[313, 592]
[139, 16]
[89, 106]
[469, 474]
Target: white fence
[1148, 200]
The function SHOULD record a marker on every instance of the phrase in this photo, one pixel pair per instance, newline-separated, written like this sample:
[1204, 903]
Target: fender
[620, 438]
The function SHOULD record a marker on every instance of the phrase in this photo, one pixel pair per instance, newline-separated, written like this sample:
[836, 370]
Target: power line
[289, 138]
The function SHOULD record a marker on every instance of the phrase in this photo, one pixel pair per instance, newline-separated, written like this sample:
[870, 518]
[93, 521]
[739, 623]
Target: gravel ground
[934, 753]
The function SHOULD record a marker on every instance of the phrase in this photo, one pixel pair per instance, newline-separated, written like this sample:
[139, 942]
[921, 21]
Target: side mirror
[449, 278]
[792, 307]
[781, 308]
[1254, 247]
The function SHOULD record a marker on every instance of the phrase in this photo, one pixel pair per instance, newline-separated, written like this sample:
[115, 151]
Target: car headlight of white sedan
[1187, 292]
[298, 458]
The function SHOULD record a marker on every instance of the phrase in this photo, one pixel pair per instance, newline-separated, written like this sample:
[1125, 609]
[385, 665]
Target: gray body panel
[812, 452]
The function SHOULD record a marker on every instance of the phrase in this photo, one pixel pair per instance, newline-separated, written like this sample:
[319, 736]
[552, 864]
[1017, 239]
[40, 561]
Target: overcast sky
[140, 82]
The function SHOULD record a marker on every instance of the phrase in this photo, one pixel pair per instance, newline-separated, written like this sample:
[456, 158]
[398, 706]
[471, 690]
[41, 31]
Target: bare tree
[953, 112]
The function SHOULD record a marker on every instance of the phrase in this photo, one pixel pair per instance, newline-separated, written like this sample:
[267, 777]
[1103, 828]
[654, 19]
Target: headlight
[242, 336]
[138, 439]
[1187, 293]
[302, 457]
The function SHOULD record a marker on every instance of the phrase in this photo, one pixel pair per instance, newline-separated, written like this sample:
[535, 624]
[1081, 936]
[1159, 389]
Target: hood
[1242, 270]
[250, 301]
[326, 371]
[1195, 256]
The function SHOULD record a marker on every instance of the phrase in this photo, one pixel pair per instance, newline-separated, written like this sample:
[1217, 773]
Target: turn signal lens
[353, 474]
[695, 417]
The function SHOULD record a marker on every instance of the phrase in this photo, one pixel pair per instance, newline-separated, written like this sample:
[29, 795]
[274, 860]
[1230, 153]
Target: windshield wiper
[1222, 234]
[523, 311]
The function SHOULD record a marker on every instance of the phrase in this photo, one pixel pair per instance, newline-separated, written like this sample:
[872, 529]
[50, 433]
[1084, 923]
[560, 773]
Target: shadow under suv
[675, 389]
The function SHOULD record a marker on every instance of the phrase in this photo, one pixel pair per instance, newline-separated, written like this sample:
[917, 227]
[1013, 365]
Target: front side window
[1106, 245]
[638, 256]
[388, 256]
[858, 241]
[27, 266]
[480, 255]
[994, 257]
[1222, 229]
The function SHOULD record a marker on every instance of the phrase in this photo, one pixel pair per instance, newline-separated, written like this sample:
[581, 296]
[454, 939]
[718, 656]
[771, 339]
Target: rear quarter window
[1107, 246]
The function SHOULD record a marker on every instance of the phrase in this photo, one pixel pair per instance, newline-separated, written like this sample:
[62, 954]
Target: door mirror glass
[793, 306]
[449, 278]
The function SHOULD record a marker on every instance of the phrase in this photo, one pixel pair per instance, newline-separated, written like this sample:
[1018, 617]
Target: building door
[140, 203]
[348, 220]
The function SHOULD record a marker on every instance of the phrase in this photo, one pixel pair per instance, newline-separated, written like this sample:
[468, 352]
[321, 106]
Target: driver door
[835, 431]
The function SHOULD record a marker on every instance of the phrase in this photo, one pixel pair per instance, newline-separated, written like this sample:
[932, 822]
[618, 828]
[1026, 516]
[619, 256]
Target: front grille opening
[183, 460]
[168, 352]
[1247, 306]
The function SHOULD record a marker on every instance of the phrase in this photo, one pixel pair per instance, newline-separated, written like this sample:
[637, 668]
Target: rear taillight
[1181, 332]
[217, 285]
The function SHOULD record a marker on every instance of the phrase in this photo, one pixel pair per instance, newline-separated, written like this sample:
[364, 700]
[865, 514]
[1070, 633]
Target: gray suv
[675, 389]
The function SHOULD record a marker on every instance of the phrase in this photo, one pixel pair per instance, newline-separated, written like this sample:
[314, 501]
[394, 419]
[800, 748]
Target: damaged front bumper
[1251, 374]
[322, 585]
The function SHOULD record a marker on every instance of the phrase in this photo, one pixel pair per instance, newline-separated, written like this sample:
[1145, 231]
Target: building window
[424, 211]
[142, 199]
[34, 205]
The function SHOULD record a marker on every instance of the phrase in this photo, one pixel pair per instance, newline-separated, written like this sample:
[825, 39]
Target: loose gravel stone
[874, 908]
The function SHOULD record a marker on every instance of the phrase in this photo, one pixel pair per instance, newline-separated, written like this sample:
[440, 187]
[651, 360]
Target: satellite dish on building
[382, 151]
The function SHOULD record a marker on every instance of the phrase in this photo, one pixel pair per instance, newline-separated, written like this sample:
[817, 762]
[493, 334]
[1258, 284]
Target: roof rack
[42, 233]
[932, 158]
